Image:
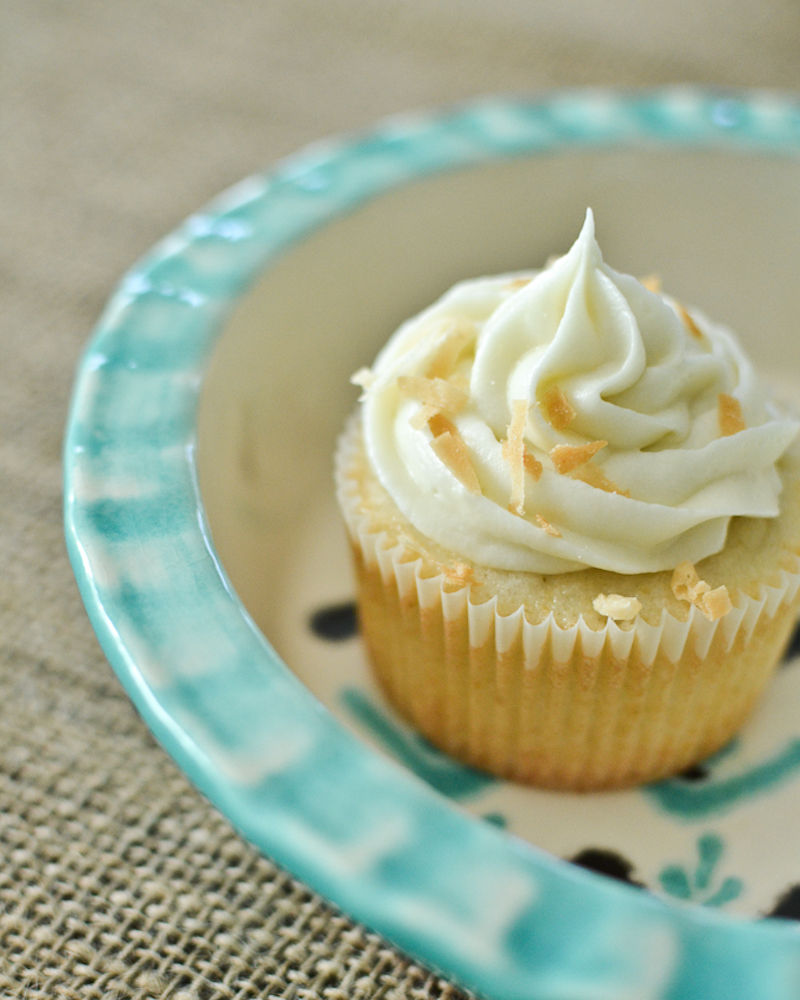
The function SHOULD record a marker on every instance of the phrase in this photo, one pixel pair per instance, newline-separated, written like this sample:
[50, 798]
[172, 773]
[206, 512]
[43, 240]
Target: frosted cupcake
[575, 516]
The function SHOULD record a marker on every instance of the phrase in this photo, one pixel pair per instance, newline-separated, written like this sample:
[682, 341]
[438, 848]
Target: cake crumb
[363, 377]
[558, 410]
[689, 323]
[593, 475]
[459, 572]
[729, 411]
[567, 457]
[551, 529]
[617, 607]
[513, 450]
[715, 603]
[452, 451]
[686, 584]
[433, 391]
[652, 283]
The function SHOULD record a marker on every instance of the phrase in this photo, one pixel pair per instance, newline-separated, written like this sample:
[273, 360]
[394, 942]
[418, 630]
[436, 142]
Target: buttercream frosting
[570, 418]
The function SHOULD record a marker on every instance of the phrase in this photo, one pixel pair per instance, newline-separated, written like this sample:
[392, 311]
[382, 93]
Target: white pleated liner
[396, 563]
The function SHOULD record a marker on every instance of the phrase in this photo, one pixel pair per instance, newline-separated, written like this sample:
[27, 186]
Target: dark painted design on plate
[605, 862]
[697, 772]
[793, 649]
[335, 622]
[788, 905]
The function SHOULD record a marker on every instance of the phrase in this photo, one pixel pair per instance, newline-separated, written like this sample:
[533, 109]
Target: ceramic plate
[206, 407]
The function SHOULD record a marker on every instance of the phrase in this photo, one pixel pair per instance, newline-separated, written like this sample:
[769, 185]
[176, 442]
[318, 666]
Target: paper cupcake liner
[568, 707]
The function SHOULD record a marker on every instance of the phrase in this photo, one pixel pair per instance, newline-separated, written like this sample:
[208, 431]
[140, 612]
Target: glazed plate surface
[200, 518]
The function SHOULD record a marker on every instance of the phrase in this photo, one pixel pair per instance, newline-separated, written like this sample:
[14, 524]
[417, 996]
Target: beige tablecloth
[117, 878]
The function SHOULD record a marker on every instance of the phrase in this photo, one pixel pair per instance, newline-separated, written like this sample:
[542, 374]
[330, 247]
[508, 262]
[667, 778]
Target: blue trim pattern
[462, 896]
[690, 801]
[697, 885]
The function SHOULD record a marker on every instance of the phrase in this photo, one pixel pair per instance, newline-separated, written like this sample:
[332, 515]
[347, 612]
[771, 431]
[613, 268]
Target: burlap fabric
[117, 878]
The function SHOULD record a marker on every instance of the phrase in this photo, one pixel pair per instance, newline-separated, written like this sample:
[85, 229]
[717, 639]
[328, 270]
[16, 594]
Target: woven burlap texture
[116, 121]
[119, 880]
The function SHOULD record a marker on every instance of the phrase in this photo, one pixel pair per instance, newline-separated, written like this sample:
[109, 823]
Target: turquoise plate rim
[470, 901]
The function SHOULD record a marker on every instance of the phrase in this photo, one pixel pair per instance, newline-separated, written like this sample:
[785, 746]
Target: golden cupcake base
[517, 675]
[588, 722]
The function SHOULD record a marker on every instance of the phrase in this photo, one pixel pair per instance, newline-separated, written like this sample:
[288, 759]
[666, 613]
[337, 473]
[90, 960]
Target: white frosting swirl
[634, 371]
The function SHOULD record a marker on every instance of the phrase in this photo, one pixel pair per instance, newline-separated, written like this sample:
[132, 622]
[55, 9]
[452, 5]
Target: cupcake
[575, 520]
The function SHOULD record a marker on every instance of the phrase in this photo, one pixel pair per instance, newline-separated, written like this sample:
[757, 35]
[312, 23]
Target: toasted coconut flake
[617, 607]
[458, 333]
[593, 475]
[433, 391]
[689, 323]
[423, 416]
[452, 451]
[516, 283]
[567, 457]
[441, 425]
[715, 603]
[514, 455]
[532, 465]
[551, 529]
[729, 412]
[652, 283]
[558, 410]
